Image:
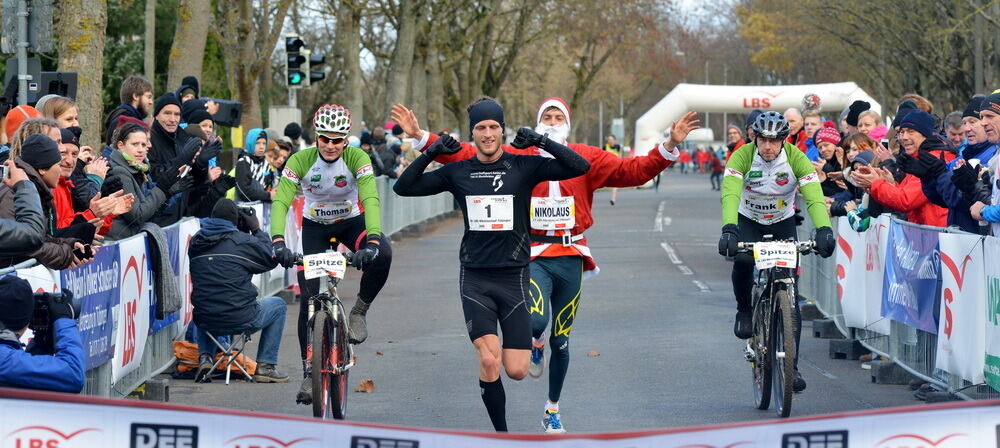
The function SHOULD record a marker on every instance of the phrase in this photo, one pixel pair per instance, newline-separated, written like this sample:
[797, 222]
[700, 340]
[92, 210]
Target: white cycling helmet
[332, 118]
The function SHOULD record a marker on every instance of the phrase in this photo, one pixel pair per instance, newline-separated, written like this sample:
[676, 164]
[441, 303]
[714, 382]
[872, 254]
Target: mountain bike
[771, 349]
[328, 352]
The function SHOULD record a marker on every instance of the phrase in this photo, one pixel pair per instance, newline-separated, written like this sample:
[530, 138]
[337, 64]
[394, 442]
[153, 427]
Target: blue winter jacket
[62, 372]
[942, 192]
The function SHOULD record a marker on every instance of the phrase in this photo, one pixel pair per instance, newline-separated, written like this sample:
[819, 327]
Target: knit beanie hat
[904, 108]
[992, 103]
[366, 139]
[40, 104]
[226, 209]
[190, 107]
[397, 130]
[71, 135]
[40, 151]
[829, 135]
[487, 110]
[293, 130]
[190, 82]
[854, 111]
[919, 121]
[751, 117]
[198, 116]
[16, 116]
[866, 157]
[164, 101]
[16, 301]
[973, 107]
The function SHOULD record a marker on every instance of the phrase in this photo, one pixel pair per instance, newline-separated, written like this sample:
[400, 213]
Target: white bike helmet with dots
[332, 118]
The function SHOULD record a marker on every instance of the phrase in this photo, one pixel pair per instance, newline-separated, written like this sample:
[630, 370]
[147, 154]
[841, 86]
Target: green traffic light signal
[296, 78]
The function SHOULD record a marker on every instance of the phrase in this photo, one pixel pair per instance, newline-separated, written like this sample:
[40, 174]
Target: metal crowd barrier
[158, 356]
[912, 349]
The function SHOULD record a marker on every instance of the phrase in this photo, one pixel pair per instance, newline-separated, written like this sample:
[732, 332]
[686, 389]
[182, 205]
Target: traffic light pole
[22, 51]
[293, 98]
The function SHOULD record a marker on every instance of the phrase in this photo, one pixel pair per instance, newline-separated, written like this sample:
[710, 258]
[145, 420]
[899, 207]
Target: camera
[41, 320]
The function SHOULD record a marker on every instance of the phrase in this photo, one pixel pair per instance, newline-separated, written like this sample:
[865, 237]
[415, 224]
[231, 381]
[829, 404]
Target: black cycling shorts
[497, 294]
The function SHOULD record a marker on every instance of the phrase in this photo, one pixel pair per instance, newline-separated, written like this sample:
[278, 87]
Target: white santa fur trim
[558, 103]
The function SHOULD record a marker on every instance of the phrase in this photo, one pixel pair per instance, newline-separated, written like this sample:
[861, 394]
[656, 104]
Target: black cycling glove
[729, 241]
[284, 255]
[365, 256]
[825, 242]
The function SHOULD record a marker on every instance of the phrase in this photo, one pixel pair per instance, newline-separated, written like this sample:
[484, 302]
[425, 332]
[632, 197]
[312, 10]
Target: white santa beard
[558, 134]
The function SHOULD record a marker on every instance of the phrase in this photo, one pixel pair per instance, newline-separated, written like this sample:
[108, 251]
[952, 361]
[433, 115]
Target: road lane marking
[701, 285]
[671, 253]
[658, 220]
[818, 369]
[685, 270]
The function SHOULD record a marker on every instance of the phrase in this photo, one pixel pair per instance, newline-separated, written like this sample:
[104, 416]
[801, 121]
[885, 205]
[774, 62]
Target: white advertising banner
[851, 285]
[877, 239]
[32, 419]
[992, 312]
[961, 342]
[188, 228]
[132, 316]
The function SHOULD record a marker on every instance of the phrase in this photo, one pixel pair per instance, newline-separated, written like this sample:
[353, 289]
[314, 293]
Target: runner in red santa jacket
[560, 213]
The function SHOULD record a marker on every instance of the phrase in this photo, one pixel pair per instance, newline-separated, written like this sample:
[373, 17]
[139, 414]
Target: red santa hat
[553, 102]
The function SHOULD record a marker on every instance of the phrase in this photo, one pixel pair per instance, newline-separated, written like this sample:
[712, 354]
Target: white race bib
[323, 264]
[490, 213]
[769, 255]
[330, 211]
[553, 213]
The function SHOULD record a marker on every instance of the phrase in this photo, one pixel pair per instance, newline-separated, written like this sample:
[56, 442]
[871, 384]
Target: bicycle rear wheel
[338, 358]
[783, 354]
[321, 348]
[761, 365]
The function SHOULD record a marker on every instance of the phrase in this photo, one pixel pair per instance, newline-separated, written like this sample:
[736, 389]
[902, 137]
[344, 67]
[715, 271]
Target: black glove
[729, 240]
[445, 144]
[224, 183]
[181, 185]
[247, 221]
[825, 242]
[837, 208]
[965, 178]
[365, 256]
[165, 180]
[111, 185]
[59, 305]
[211, 150]
[925, 165]
[984, 189]
[527, 137]
[854, 111]
[186, 154]
[283, 254]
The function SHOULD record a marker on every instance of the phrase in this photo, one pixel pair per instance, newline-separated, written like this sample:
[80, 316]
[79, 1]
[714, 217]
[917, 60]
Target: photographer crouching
[54, 359]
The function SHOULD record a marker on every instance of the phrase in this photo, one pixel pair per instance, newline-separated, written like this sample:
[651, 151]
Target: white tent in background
[650, 127]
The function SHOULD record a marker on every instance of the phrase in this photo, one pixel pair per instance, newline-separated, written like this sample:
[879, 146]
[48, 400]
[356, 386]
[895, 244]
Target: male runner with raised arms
[341, 201]
[560, 213]
[494, 190]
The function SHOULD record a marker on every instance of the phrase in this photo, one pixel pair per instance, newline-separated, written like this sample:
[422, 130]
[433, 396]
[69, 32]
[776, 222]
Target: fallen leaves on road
[378, 353]
[593, 354]
[366, 387]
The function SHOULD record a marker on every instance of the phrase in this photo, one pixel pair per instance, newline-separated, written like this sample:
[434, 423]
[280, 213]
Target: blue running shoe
[552, 423]
[537, 365]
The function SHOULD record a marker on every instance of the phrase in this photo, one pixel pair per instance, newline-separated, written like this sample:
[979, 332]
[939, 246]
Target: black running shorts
[497, 294]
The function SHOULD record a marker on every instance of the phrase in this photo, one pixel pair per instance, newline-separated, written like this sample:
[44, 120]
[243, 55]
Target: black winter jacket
[223, 263]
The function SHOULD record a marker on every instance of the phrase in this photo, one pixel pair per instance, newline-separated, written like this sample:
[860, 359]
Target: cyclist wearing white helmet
[342, 202]
[758, 198]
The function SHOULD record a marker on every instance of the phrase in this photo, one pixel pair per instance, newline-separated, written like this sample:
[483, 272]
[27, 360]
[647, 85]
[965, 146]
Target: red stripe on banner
[953, 267]
[17, 394]
[845, 247]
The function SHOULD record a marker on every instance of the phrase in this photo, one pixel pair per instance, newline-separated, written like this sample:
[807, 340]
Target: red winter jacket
[606, 170]
[62, 200]
[799, 140]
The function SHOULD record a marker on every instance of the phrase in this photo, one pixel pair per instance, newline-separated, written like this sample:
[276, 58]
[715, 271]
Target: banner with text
[912, 277]
[961, 342]
[97, 284]
[133, 314]
[851, 286]
[992, 267]
[876, 240]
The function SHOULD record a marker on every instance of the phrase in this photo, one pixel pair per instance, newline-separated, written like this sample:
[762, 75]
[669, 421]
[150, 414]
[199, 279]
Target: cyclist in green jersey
[342, 202]
[758, 198]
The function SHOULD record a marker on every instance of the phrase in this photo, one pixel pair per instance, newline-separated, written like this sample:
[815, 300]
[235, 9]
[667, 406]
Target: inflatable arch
[650, 127]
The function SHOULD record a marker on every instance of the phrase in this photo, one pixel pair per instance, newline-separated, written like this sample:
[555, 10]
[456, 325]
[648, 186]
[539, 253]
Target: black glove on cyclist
[365, 256]
[825, 242]
[445, 144]
[729, 240]
[527, 137]
[283, 254]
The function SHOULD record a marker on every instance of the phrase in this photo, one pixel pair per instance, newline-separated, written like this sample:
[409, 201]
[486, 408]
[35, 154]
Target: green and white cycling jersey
[765, 191]
[333, 191]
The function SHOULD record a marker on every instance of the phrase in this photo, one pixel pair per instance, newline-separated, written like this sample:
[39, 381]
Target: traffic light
[315, 60]
[296, 77]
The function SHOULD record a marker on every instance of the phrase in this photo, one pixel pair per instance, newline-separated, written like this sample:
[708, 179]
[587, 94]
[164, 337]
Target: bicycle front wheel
[321, 346]
[783, 354]
[761, 364]
[338, 358]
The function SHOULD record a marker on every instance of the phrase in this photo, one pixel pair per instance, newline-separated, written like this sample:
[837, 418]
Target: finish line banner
[38, 419]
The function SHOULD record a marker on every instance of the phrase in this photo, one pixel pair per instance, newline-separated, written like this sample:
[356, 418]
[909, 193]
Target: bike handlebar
[349, 255]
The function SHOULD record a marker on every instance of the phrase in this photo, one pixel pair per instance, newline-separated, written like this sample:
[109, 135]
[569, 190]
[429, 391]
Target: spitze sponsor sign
[961, 342]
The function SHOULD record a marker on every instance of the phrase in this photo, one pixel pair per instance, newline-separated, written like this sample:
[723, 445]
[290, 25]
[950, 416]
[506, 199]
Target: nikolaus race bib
[553, 213]
[330, 212]
[491, 212]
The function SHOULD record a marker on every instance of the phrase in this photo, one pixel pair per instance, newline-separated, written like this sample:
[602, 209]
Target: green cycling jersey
[334, 191]
[765, 191]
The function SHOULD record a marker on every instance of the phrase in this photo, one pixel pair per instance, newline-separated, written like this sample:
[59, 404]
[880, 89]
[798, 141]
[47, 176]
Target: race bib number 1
[323, 264]
[769, 255]
[553, 213]
[490, 213]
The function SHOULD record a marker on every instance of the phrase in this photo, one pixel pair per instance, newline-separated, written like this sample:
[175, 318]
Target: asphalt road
[659, 317]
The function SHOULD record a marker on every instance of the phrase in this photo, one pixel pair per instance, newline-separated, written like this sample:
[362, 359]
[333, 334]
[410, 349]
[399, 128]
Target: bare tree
[248, 31]
[149, 49]
[81, 50]
[194, 18]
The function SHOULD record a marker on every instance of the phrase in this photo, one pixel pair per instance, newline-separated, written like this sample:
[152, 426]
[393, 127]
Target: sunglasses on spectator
[328, 140]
